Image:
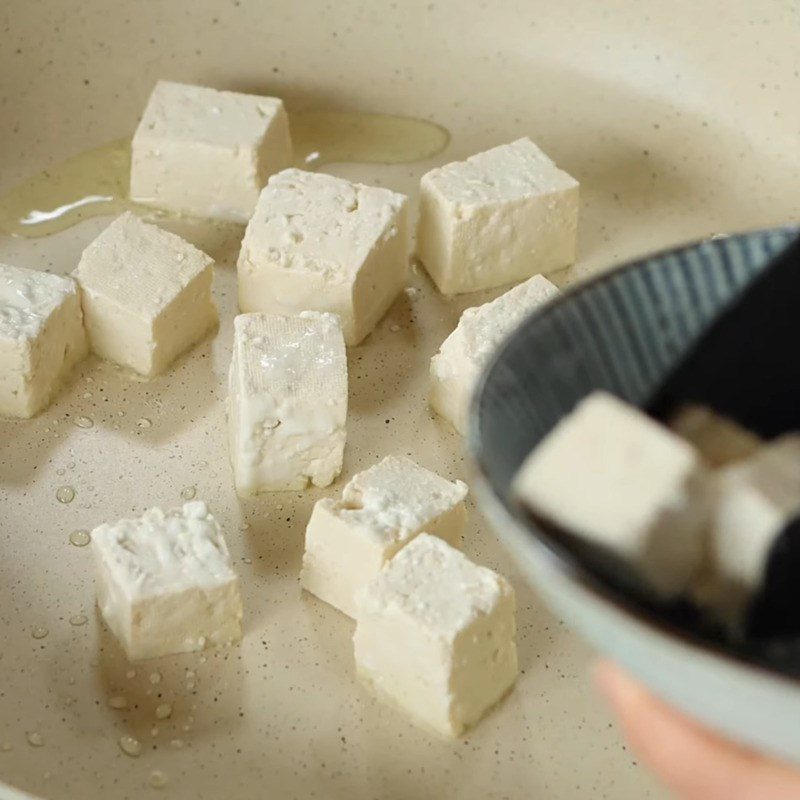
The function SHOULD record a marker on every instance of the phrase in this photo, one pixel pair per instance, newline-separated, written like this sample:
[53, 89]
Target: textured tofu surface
[287, 401]
[241, 139]
[41, 337]
[165, 583]
[321, 243]
[465, 353]
[435, 635]
[610, 474]
[500, 216]
[380, 511]
[146, 294]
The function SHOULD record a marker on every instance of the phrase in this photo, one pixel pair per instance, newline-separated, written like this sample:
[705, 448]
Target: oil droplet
[96, 182]
[247, 560]
[130, 674]
[189, 493]
[394, 328]
[65, 494]
[163, 711]
[71, 465]
[326, 137]
[118, 702]
[130, 746]
[154, 731]
[34, 738]
[60, 472]
[177, 743]
[143, 422]
[80, 538]
[85, 185]
[78, 620]
[87, 395]
[155, 677]
[84, 422]
[39, 632]
[158, 779]
[244, 526]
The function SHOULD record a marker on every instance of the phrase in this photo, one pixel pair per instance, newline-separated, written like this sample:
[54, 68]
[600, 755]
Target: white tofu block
[499, 217]
[287, 401]
[165, 583]
[435, 636]
[610, 474]
[755, 500]
[41, 338]
[467, 351]
[382, 509]
[719, 440]
[146, 295]
[320, 243]
[208, 153]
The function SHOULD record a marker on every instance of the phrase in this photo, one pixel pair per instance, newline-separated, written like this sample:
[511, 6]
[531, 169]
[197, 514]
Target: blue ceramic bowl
[623, 332]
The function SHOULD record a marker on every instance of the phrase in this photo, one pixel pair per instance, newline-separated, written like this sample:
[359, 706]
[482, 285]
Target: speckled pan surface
[679, 121]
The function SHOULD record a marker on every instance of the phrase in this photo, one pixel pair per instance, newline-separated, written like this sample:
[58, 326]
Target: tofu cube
[41, 338]
[208, 153]
[467, 351]
[755, 500]
[720, 440]
[320, 243]
[611, 475]
[287, 401]
[435, 636]
[382, 509]
[165, 583]
[146, 295]
[497, 218]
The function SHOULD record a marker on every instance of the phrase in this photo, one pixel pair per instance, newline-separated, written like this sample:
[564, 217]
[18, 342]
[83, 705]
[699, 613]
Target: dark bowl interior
[623, 332]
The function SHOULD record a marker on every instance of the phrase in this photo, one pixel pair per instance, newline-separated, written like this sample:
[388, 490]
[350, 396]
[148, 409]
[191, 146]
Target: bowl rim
[562, 556]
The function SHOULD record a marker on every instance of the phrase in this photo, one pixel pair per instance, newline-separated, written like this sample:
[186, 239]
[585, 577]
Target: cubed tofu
[467, 351]
[146, 295]
[719, 439]
[611, 475]
[287, 401]
[435, 636]
[381, 510]
[208, 153]
[165, 583]
[755, 500]
[320, 243]
[41, 338]
[499, 217]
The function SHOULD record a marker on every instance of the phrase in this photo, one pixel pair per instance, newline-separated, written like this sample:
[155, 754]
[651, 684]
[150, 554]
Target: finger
[694, 763]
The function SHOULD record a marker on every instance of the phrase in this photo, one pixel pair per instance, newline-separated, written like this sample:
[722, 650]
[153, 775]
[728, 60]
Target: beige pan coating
[678, 120]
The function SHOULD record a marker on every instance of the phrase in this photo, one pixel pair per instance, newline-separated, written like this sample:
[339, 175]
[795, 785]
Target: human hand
[693, 762]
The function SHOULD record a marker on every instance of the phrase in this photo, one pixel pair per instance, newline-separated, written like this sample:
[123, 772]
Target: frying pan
[679, 119]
